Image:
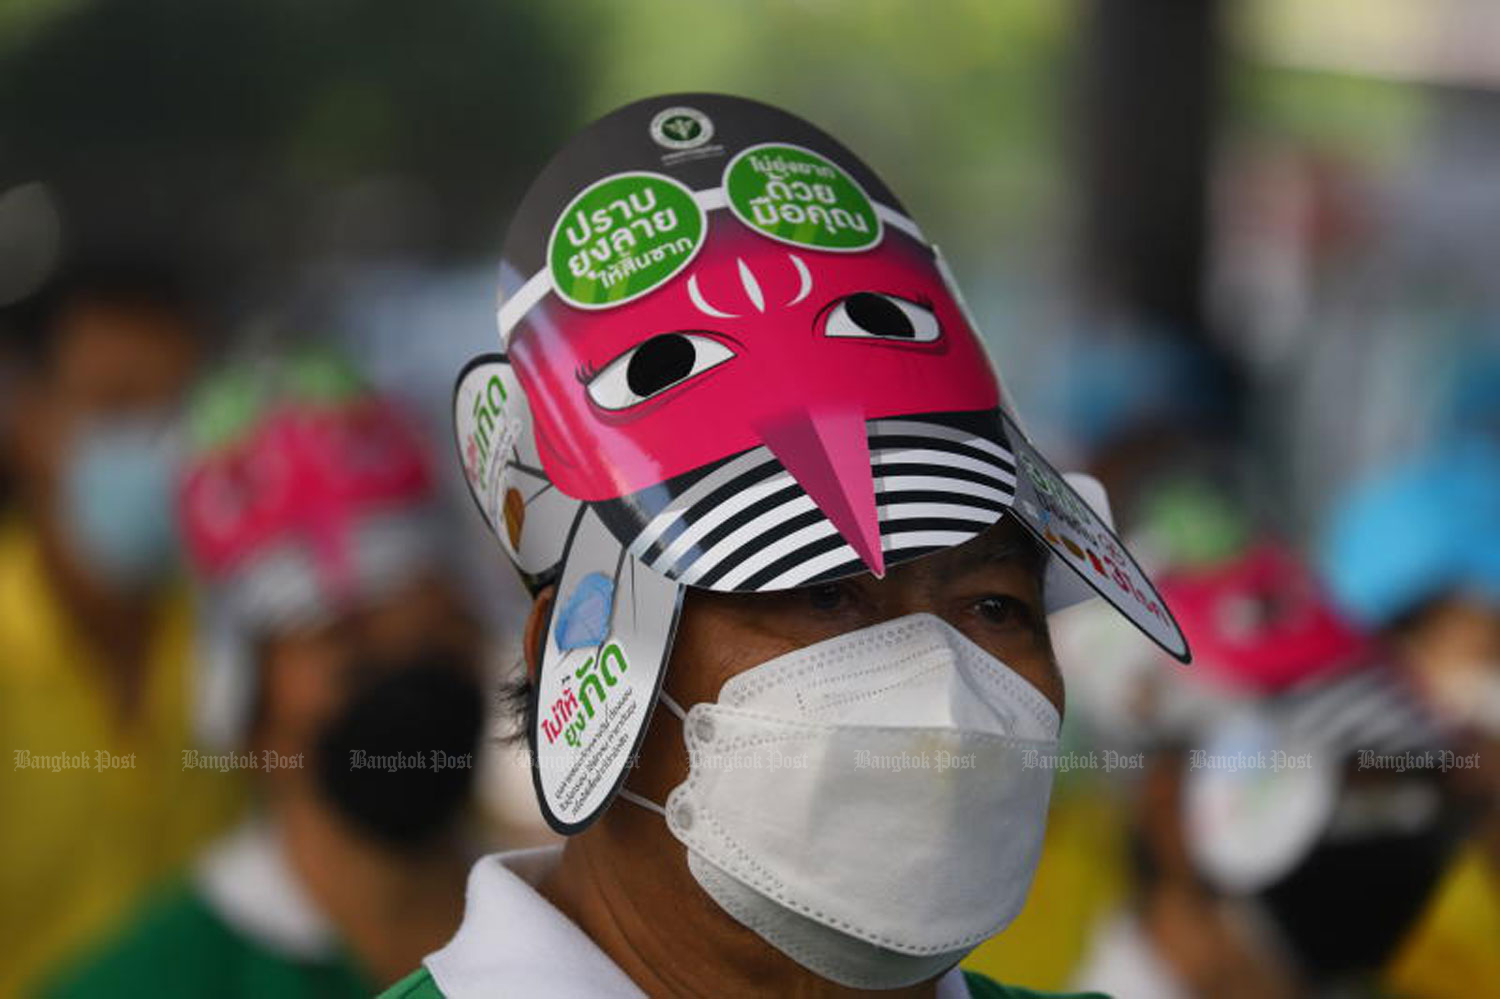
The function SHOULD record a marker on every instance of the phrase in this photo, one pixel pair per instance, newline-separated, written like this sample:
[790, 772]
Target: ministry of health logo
[681, 128]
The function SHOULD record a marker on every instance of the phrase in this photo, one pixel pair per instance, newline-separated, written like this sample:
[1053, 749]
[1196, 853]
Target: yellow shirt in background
[79, 843]
[1454, 950]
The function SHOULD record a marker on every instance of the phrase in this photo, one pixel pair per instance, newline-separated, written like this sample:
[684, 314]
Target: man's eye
[653, 367]
[1005, 612]
[871, 314]
[826, 597]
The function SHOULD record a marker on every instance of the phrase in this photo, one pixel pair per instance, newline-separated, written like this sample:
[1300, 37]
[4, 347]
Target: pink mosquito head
[756, 343]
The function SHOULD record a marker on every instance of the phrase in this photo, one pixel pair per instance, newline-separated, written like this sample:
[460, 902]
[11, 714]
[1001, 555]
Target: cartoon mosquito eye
[882, 317]
[654, 366]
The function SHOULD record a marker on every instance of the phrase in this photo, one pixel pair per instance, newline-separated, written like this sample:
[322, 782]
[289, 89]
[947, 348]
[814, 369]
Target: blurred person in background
[1276, 854]
[1414, 555]
[342, 670]
[94, 625]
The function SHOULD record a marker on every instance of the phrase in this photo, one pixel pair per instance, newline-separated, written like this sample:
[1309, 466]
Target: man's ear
[535, 638]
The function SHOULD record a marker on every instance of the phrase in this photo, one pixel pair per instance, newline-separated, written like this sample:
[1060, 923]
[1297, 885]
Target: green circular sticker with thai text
[795, 195]
[623, 236]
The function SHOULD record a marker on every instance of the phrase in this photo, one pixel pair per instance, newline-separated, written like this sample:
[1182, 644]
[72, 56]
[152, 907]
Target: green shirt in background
[179, 948]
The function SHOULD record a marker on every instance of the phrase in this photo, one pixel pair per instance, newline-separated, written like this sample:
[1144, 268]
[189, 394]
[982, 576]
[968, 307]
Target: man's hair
[139, 284]
[516, 707]
[515, 697]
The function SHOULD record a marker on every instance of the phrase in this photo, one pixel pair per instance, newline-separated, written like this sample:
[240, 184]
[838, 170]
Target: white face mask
[872, 805]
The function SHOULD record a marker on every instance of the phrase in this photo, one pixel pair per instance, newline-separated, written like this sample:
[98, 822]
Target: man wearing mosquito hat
[746, 448]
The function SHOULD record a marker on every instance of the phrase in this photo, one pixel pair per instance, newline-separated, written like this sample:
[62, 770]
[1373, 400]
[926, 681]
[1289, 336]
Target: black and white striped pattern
[746, 525]
[1371, 709]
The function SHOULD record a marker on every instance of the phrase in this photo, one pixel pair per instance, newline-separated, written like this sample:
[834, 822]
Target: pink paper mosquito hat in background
[1279, 781]
[1261, 622]
[302, 493]
[733, 361]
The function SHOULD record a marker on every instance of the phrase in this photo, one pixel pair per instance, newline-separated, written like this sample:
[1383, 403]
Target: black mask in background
[1348, 905]
[375, 759]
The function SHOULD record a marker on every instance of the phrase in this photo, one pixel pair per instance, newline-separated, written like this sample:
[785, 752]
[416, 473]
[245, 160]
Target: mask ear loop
[673, 706]
[645, 803]
[631, 796]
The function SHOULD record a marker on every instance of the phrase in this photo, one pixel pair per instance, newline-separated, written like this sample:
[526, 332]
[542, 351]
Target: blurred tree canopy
[260, 130]
[959, 104]
[273, 128]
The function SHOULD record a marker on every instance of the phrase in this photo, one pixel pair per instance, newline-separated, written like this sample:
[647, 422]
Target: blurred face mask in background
[872, 805]
[116, 499]
[398, 759]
